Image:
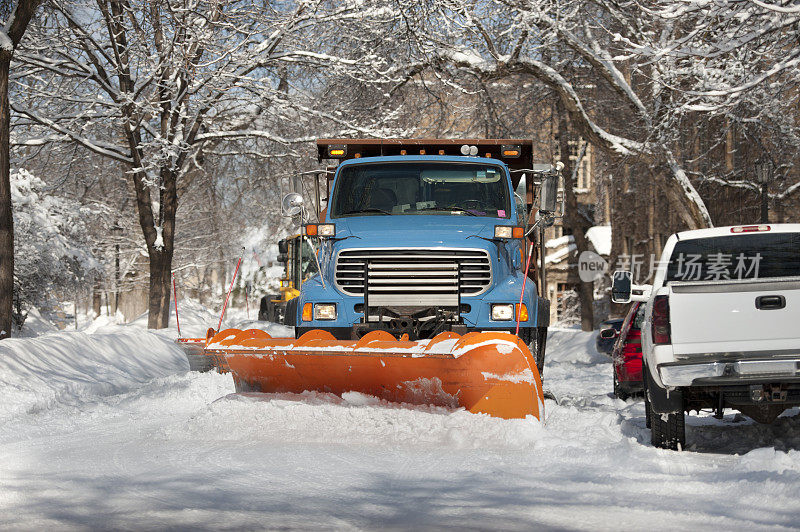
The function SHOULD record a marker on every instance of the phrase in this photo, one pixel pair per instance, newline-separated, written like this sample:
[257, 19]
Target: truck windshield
[750, 256]
[468, 189]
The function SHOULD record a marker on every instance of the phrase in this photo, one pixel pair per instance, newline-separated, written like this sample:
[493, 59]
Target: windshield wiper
[455, 209]
[370, 209]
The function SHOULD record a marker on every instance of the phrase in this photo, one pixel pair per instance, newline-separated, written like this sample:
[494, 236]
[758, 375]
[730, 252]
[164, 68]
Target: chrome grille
[414, 277]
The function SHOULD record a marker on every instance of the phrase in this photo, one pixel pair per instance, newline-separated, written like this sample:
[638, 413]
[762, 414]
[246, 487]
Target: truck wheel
[540, 334]
[667, 431]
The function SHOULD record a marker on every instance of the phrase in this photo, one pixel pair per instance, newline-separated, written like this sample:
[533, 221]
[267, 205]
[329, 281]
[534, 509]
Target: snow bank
[72, 367]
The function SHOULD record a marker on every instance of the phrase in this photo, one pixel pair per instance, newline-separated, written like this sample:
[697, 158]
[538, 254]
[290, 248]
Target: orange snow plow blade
[488, 372]
[199, 359]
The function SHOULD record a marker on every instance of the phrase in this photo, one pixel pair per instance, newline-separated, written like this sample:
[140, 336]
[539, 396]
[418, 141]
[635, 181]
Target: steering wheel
[472, 205]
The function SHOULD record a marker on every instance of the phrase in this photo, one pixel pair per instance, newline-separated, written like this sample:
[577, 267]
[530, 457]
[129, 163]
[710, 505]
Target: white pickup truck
[722, 326]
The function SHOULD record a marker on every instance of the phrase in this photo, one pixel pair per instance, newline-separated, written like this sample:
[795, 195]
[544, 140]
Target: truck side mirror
[292, 204]
[548, 196]
[283, 246]
[608, 334]
[621, 286]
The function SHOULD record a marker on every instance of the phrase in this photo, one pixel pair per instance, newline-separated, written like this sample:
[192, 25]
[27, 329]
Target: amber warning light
[336, 152]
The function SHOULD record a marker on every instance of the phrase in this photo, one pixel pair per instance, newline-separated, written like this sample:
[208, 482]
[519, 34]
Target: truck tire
[619, 393]
[541, 334]
[668, 430]
[535, 338]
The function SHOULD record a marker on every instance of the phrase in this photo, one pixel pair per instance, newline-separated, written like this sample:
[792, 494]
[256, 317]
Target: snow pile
[69, 368]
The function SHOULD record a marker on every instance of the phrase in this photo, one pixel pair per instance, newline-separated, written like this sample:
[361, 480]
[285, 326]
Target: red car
[627, 355]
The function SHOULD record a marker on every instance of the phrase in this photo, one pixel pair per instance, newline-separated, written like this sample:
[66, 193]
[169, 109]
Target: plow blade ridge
[484, 372]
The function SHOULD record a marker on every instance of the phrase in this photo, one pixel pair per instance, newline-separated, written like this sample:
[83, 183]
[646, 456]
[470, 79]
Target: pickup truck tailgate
[735, 316]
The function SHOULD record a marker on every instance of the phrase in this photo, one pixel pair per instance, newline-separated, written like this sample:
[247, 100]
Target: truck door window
[421, 188]
[308, 266]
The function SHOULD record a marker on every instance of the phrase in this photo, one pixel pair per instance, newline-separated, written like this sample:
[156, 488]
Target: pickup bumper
[679, 374]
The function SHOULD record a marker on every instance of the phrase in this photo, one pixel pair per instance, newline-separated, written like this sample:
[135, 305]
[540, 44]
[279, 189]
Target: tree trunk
[6, 216]
[160, 282]
[573, 218]
[97, 301]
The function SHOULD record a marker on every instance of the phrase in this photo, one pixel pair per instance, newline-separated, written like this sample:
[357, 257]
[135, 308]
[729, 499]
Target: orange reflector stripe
[307, 311]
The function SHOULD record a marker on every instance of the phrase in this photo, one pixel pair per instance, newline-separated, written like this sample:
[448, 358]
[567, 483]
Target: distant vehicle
[605, 339]
[627, 354]
[721, 326]
[296, 255]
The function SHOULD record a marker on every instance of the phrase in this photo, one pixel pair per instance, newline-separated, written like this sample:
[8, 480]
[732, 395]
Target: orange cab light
[311, 230]
[307, 311]
[488, 155]
[337, 153]
[357, 156]
[422, 152]
[402, 152]
[518, 232]
[523, 312]
[441, 152]
[510, 153]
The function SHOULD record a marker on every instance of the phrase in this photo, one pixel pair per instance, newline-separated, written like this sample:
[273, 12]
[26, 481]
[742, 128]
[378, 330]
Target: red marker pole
[175, 296]
[219, 327]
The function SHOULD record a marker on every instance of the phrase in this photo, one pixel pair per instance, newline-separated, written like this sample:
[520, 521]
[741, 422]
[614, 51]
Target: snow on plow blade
[487, 372]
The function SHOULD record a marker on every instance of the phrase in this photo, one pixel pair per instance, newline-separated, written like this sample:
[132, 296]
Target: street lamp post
[117, 231]
[764, 175]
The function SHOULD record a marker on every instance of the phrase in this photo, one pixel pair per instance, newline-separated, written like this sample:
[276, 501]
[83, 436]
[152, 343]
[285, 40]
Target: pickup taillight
[661, 332]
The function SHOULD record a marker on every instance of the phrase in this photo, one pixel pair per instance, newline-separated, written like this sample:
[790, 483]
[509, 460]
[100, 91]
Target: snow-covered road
[109, 430]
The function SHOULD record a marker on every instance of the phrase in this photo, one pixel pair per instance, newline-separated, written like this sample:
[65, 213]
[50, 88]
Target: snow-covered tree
[14, 20]
[158, 85]
[52, 244]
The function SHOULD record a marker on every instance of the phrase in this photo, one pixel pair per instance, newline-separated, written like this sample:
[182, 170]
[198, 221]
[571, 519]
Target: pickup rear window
[749, 256]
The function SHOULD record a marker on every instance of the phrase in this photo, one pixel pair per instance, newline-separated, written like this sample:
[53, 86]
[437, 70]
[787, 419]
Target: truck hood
[416, 230]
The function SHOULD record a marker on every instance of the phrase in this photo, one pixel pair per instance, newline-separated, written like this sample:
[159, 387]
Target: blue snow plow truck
[417, 237]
